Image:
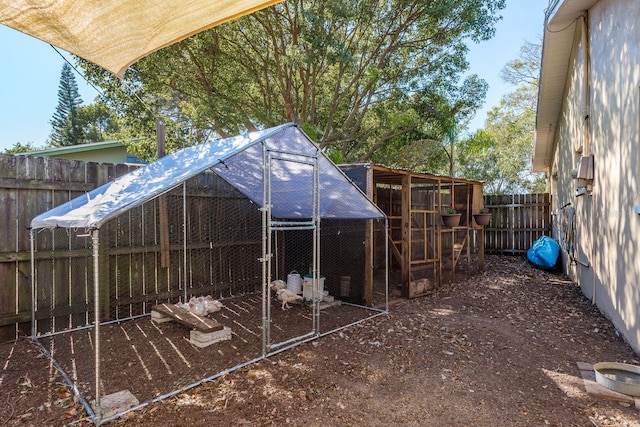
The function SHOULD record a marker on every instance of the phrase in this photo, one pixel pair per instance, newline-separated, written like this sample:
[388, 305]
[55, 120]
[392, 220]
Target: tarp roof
[116, 33]
[239, 160]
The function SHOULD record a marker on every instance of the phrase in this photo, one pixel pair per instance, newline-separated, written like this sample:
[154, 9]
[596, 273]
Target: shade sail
[116, 33]
[239, 160]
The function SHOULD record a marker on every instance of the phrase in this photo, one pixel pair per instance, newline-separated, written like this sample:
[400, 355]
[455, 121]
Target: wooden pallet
[202, 324]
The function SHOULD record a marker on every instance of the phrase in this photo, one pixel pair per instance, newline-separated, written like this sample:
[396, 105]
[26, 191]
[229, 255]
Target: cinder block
[116, 403]
[158, 317]
[202, 339]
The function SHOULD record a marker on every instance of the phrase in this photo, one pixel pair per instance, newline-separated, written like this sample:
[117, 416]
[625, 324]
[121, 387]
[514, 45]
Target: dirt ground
[498, 349]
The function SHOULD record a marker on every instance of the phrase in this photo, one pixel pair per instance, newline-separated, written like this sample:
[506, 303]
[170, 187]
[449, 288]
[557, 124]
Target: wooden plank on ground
[203, 324]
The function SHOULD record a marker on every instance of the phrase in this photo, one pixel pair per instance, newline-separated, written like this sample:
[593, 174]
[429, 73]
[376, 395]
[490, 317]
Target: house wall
[603, 84]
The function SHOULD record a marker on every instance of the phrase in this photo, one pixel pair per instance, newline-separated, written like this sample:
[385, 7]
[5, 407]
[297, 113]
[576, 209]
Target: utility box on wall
[584, 175]
[585, 168]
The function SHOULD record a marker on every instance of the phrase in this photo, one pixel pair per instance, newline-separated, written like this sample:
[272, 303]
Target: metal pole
[266, 246]
[96, 309]
[386, 263]
[33, 284]
[316, 246]
[184, 236]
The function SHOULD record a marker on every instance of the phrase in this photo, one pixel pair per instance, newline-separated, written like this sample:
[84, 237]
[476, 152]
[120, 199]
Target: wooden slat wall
[28, 187]
[223, 246]
[516, 221]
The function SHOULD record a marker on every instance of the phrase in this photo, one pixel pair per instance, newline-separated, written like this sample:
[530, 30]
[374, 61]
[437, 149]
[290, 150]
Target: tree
[347, 74]
[500, 153]
[524, 70]
[66, 124]
[99, 123]
[441, 116]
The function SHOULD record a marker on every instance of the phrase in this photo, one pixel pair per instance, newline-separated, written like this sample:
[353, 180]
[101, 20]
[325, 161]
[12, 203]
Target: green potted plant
[451, 217]
[482, 217]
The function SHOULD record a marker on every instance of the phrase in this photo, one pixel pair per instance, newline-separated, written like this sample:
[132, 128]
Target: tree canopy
[358, 78]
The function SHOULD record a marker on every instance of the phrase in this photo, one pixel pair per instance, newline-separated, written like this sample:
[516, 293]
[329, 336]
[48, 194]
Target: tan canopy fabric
[116, 33]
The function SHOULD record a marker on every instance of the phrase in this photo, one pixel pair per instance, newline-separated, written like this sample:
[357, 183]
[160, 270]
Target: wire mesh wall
[201, 239]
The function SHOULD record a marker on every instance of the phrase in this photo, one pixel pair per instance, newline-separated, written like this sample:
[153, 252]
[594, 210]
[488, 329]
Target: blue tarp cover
[240, 161]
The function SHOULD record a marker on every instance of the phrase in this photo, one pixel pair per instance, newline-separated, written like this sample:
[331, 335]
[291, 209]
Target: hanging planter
[451, 217]
[482, 217]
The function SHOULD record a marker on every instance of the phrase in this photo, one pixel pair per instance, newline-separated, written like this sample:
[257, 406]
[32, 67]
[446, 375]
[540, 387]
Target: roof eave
[560, 26]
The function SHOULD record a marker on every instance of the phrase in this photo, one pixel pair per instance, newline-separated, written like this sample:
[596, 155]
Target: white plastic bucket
[307, 291]
[294, 282]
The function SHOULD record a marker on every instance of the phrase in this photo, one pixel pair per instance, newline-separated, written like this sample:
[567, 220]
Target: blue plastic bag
[544, 252]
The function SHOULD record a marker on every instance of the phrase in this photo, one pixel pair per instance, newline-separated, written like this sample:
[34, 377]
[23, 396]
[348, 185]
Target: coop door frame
[270, 227]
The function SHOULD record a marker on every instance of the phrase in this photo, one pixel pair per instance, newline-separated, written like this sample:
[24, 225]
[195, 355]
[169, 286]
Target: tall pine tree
[66, 123]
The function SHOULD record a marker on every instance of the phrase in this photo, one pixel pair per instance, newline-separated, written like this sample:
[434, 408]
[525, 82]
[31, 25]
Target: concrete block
[204, 339]
[159, 317]
[596, 389]
[116, 403]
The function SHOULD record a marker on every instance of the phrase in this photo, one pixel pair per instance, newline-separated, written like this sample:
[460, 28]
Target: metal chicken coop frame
[224, 218]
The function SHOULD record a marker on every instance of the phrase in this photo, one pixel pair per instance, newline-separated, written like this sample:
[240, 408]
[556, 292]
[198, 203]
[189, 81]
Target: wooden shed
[423, 251]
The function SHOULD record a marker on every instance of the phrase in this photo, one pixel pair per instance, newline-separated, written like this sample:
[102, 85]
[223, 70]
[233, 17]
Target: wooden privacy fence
[517, 220]
[28, 187]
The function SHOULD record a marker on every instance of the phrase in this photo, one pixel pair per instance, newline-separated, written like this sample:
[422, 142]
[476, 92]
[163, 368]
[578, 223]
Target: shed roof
[240, 160]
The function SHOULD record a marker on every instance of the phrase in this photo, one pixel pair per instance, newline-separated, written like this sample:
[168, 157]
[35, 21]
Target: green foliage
[335, 156]
[500, 153]
[355, 76]
[97, 121]
[19, 147]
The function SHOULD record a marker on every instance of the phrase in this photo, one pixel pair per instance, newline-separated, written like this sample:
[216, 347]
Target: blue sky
[30, 73]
